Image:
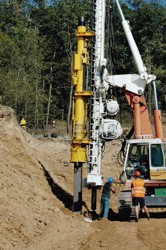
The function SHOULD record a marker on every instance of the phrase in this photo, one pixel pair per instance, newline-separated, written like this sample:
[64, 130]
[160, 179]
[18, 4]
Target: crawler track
[126, 210]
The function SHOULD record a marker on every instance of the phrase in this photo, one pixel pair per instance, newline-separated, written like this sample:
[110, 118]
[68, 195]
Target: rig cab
[148, 156]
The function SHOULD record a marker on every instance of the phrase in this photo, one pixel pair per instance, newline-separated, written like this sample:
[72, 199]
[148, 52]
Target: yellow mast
[79, 111]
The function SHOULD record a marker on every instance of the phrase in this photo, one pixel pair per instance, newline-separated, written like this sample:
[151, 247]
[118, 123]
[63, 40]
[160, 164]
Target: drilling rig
[94, 114]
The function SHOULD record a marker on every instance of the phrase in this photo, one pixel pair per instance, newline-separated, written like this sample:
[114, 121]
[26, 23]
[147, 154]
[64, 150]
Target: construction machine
[94, 113]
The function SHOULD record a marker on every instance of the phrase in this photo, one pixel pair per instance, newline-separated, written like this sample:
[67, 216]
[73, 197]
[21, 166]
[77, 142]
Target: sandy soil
[36, 180]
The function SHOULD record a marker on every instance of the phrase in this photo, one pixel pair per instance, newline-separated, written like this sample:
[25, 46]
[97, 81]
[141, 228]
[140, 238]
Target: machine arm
[132, 82]
[134, 49]
[142, 124]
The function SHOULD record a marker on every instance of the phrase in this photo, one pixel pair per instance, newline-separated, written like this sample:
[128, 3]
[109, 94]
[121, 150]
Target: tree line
[38, 40]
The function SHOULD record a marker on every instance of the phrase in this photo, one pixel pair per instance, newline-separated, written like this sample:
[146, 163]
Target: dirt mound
[36, 180]
[30, 201]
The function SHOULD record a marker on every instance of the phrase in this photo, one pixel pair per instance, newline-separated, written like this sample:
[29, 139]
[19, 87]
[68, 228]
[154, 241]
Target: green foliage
[38, 39]
[21, 66]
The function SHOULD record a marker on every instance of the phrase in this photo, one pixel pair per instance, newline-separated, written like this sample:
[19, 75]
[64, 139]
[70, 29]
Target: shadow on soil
[113, 216]
[60, 193]
[155, 215]
[65, 197]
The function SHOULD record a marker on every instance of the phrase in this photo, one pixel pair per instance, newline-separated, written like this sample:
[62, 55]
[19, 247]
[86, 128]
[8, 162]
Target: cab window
[157, 158]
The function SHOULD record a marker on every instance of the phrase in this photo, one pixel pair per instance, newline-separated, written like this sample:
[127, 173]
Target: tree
[21, 67]
[39, 37]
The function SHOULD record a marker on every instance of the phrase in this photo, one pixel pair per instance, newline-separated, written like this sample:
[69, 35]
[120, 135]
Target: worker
[53, 124]
[105, 197]
[23, 123]
[138, 194]
[143, 169]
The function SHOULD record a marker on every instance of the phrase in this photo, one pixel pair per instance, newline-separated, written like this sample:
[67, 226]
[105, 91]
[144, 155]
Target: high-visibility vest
[23, 123]
[138, 189]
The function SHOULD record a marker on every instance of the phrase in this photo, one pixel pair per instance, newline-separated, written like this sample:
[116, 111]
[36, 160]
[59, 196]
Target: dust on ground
[36, 179]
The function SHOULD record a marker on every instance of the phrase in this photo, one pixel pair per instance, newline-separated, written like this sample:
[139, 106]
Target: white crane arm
[134, 49]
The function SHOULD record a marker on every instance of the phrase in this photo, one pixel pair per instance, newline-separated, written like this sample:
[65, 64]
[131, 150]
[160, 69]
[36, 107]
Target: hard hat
[137, 173]
[110, 179]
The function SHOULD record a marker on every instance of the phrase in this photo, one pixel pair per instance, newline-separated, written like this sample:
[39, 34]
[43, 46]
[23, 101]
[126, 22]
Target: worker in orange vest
[138, 195]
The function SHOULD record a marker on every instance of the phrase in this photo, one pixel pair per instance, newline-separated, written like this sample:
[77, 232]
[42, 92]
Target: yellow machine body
[80, 106]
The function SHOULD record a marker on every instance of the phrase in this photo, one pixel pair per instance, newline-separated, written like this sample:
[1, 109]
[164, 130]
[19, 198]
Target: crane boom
[134, 49]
